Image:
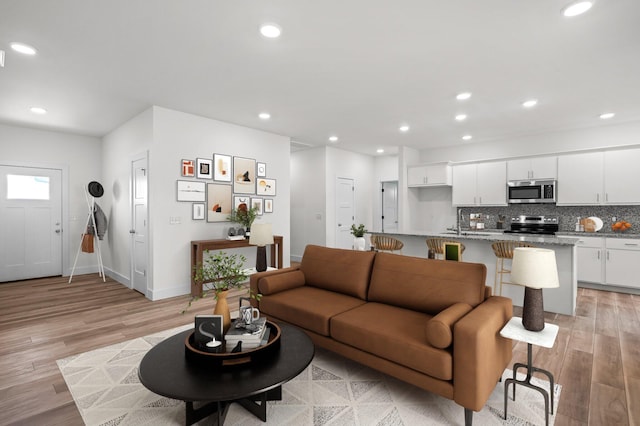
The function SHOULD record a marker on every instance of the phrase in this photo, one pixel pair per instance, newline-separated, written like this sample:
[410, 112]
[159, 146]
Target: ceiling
[357, 69]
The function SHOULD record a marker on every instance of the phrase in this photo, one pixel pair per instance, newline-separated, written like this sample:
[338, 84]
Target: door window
[23, 187]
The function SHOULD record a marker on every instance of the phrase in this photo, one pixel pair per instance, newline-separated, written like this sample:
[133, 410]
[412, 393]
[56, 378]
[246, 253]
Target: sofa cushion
[395, 334]
[308, 307]
[342, 271]
[280, 282]
[439, 330]
[425, 285]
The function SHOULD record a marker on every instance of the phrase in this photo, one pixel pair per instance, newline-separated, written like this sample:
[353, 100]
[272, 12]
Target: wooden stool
[437, 243]
[386, 243]
[504, 250]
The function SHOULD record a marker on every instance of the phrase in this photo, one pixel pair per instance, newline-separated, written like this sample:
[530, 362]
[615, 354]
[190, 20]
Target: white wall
[549, 143]
[119, 146]
[179, 135]
[308, 207]
[79, 159]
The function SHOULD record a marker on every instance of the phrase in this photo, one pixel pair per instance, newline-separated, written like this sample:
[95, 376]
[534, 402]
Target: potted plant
[219, 273]
[358, 234]
[244, 216]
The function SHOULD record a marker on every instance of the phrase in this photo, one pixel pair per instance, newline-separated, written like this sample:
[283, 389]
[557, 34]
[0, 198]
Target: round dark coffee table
[166, 371]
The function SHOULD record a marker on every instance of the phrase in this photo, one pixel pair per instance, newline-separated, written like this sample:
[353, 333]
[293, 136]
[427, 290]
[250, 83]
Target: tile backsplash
[567, 215]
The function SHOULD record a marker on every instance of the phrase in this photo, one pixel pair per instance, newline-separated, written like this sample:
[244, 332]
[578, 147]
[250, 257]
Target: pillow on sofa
[439, 329]
[280, 282]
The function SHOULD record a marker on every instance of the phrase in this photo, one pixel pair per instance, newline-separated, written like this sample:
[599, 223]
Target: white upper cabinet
[580, 179]
[481, 184]
[599, 178]
[622, 176]
[438, 174]
[533, 168]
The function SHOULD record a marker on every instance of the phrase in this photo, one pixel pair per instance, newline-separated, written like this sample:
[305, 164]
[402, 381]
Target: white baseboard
[296, 258]
[167, 293]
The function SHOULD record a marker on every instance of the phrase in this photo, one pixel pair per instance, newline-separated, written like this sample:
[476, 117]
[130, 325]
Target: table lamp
[535, 269]
[261, 235]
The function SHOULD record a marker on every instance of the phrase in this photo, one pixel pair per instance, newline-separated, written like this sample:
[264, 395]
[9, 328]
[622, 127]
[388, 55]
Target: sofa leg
[468, 417]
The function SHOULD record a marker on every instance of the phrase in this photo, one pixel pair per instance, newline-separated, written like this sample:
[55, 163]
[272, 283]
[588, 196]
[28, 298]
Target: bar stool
[436, 244]
[386, 243]
[503, 251]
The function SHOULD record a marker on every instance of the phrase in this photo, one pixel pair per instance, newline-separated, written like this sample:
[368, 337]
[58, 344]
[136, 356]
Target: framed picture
[222, 168]
[452, 251]
[189, 190]
[188, 168]
[244, 175]
[207, 327]
[268, 205]
[266, 186]
[239, 200]
[218, 202]
[204, 168]
[262, 170]
[258, 204]
[197, 211]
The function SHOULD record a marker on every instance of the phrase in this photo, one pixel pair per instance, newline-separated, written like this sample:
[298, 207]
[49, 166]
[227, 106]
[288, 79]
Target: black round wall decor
[95, 189]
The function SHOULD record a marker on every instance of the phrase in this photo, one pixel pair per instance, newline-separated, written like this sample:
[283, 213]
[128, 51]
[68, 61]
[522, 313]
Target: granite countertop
[601, 234]
[494, 235]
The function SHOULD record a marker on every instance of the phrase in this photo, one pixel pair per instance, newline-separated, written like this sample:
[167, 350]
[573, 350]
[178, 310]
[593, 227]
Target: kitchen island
[478, 249]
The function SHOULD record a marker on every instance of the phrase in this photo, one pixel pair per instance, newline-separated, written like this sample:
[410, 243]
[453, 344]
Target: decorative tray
[229, 359]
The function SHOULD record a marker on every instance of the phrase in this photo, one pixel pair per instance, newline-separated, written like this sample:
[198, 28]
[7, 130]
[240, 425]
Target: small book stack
[256, 335]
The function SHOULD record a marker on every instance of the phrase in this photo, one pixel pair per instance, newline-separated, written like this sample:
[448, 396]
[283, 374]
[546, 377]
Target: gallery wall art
[218, 202]
[266, 187]
[222, 168]
[244, 175]
[204, 168]
[188, 190]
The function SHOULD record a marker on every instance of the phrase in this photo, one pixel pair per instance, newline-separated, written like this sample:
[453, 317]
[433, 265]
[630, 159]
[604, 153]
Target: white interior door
[30, 223]
[139, 229]
[345, 212]
[390, 206]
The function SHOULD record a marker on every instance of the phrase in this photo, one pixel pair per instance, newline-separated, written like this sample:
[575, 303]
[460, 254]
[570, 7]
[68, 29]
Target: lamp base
[533, 310]
[261, 259]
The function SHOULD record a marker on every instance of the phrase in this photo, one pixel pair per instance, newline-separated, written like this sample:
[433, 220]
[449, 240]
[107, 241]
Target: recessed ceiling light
[530, 103]
[404, 128]
[333, 138]
[461, 117]
[270, 30]
[607, 115]
[380, 151]
[264, 115]
[23, 48]
[38, 110]
[463, 96]
[576, 8]
[467, 137]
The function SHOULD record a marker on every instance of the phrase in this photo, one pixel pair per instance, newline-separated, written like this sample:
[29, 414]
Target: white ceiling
[354, 68]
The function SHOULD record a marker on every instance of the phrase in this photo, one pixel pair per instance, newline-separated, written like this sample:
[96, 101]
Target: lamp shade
[261, 234]
[534, 268]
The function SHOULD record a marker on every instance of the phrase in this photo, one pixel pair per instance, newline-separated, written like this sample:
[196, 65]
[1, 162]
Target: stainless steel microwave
[531, 191]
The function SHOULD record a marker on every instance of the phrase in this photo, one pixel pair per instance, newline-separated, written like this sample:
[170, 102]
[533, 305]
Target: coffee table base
[256, 405]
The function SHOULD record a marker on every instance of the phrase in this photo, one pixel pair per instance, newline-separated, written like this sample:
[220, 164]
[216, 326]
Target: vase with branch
[244, 216]
[358, 236]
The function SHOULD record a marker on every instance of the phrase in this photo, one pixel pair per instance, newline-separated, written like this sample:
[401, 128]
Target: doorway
[139, 224]
[345, 212]
[31, 224]
[389, 206]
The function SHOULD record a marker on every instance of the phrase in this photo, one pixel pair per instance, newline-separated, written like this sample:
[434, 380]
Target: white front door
[390, 207]
[139, 249]
[345, 212]
[30, 222]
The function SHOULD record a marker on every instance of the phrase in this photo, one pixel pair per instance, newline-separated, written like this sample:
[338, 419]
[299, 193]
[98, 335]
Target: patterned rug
[331, 391]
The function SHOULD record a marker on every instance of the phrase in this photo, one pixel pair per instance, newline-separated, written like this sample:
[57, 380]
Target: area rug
[331, 391]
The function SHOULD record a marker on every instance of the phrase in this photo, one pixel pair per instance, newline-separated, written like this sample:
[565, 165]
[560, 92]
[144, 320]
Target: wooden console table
[200, 246]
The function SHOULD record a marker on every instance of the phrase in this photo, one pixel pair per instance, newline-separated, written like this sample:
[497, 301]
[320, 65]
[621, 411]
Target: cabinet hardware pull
[597, 198]
[631, 244]
[607, 254]
[598, 254]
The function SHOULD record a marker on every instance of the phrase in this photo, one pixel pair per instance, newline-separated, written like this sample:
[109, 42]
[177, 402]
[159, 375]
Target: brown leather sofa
[428, 322]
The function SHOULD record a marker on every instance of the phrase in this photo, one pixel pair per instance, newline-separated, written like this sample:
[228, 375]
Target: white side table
[545, 338]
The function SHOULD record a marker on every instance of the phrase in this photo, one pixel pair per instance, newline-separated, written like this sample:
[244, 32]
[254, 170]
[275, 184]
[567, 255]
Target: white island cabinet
[478, 249]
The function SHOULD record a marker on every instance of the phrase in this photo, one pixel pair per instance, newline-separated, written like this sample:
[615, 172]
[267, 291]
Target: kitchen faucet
[460, 220]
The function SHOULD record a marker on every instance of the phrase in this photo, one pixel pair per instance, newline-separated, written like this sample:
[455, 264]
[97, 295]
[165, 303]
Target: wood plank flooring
[596, 357]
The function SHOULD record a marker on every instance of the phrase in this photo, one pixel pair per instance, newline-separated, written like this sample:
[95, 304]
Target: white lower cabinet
[591, 259]
[622, 262]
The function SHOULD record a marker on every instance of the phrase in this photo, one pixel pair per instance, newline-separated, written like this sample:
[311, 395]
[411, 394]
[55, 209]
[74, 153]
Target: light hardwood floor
[596, 357]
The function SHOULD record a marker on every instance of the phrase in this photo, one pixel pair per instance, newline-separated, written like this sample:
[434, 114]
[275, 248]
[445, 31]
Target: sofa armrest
[254, 279]
[439, 330]
[480, 354]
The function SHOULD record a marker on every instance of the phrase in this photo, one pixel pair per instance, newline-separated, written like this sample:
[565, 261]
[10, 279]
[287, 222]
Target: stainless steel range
[544, 225]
